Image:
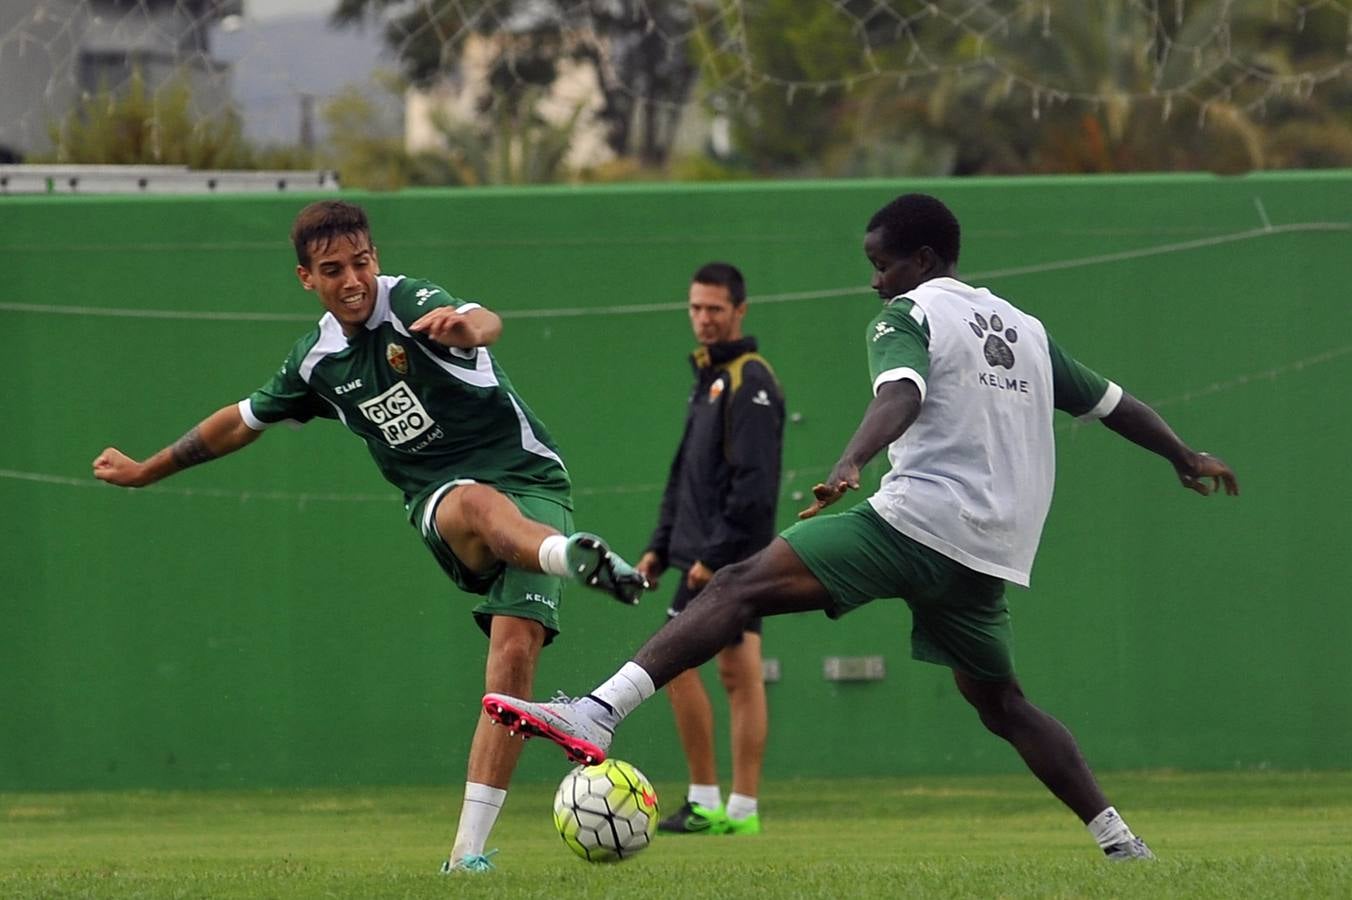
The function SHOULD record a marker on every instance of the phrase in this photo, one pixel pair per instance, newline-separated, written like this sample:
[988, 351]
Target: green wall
[270, 619]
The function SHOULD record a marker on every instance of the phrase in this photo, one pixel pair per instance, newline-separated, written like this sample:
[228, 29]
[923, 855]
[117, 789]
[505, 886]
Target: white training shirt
[972, 477]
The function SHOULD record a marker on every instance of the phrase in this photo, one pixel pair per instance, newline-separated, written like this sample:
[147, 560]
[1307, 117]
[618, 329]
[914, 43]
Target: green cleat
[749, 825]
[692, 818]
[475, 863]
[592, 563]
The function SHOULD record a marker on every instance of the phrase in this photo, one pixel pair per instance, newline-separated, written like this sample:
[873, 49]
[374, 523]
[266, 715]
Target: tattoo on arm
[191, 449]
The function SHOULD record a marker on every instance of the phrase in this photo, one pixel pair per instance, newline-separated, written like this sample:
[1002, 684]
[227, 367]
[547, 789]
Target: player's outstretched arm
[220, 433]
[892, 411]
[1141, 425]
[477, 328]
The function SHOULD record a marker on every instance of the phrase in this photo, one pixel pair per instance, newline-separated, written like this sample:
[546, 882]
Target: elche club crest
[397, 358]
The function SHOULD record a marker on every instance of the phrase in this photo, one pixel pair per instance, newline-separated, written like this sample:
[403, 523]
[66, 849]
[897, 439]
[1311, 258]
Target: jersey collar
[722, 352]
[380, 312]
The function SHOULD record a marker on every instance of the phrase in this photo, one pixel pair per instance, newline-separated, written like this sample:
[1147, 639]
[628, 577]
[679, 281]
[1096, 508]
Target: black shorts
[683, 597]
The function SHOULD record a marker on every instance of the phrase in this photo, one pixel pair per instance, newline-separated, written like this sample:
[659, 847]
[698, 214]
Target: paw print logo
[998, 338]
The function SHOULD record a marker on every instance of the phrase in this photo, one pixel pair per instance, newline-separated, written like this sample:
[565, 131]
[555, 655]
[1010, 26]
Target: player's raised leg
[1051, 753]
[483, 527]
[772, 582]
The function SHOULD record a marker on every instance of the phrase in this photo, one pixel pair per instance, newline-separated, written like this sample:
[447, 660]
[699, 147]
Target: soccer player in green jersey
[406, 367]
[964, 386]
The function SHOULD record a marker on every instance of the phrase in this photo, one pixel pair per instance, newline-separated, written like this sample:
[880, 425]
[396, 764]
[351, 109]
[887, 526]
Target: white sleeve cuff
[904, 373]
[246, 413]
[1107, 403]
[469, 306]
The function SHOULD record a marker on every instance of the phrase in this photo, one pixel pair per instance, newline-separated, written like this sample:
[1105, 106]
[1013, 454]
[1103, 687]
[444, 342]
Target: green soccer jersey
[427, 413]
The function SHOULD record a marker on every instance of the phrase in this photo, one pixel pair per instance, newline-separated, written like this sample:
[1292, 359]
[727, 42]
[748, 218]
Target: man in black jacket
[719, 508]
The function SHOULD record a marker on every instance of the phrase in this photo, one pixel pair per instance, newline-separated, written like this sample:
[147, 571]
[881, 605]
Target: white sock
[1108, 828]
[553, 555]
[477, 815]
[740, 806]
[706, 795]
[622, 693]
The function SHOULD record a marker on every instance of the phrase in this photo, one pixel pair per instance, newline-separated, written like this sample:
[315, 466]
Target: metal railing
[78, 179]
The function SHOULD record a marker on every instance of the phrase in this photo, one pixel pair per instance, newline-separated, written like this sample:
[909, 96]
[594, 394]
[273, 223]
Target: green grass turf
[1218, 835]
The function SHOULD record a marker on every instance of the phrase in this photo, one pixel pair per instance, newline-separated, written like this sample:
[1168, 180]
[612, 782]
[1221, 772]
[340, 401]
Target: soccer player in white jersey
[406, 367]
[964, 385]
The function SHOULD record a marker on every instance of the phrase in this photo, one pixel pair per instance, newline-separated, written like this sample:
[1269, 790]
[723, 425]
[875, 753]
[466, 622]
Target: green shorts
[959, 618]
[509, 591]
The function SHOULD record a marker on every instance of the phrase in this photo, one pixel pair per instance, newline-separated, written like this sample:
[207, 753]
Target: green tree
[510, 144]
[364, 148]
[781, 70]
[1197, 87]
[140, 126]
[915, 87]
[366, 144]
[643, 68]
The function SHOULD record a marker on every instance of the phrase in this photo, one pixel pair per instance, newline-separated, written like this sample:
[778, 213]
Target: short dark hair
[721, 274]
[324, 220]
[913, 221]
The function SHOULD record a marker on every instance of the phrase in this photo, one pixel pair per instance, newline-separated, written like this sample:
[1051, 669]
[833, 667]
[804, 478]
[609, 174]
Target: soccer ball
[606, 813]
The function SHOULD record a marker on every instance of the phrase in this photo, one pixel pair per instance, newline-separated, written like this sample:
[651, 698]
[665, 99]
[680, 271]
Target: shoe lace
[1136, 846]
[626, 586]
[585, 713]
[478, 862]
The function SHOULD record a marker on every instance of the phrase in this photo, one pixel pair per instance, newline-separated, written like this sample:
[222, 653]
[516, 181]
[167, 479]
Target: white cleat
[1128, 850]
[583, 738]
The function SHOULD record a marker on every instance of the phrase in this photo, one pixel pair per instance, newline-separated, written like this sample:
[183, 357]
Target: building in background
[571, 101]
[54, 53]
[287, 66]
[469, 98]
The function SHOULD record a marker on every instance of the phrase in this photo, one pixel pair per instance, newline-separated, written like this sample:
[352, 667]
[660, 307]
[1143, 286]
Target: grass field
[1252, 834]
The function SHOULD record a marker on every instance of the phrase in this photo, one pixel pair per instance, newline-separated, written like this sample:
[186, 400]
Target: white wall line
[178, 314]
[1162, 249]
[301, 498]
[1229, 384]
[787, 297]
[1262, 213]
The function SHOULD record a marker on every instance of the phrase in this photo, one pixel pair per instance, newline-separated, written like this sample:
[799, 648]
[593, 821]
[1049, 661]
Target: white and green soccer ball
[606, 813]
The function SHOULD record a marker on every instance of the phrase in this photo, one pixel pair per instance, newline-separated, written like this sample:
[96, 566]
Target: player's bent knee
[738, 571]
[453, 513]
[476, 504]
[999, 704]
[735, 682]
[735, 582]
[465, 520]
